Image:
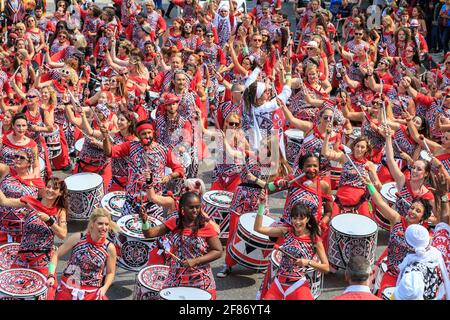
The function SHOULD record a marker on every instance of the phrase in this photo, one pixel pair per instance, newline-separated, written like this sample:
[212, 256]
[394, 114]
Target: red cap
[169, 98]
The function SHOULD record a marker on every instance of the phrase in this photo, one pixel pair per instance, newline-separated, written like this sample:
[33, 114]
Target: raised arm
[397, 174]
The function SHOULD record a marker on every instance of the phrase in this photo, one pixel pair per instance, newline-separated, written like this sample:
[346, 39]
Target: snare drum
[22, 284]
[42, 167]
[79, 145]
[294, 141]
[248, 247]
[53, 142]
[221, 92]
[184, 293]
[216, 204]
[113, 202]
[85, 192]
[8, 254]
[387, 293]
[314, 276]
[351, 235]
[133, 250]
[388, 191]
[150, 281]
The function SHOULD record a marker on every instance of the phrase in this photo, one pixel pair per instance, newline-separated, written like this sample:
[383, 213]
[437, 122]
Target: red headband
[144, 126]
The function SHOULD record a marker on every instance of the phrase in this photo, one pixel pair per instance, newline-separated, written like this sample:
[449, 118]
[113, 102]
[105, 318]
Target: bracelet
[260, 209]
[50, 221]
[371, 189]
[51, 268]
[145, 225]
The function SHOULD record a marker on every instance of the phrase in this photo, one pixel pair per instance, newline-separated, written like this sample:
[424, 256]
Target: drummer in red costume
[195, 244]
[300, 239]
[357, 274]
[352, 193]
[91, 267]
[17, 181]
[144, 154]
[397, 249]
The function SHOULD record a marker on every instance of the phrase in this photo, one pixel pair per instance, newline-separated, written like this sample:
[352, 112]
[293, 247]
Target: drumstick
[426, 145]
[172, 255]
[277, 247]
[341, 147]
[398, 147]
[401, 198]
[296, 178]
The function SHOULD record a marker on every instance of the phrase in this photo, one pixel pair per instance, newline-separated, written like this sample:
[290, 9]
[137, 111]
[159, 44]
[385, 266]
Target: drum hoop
[354, 235]
[185, 287]
[141, 273]
[122, 222]
[210, 201]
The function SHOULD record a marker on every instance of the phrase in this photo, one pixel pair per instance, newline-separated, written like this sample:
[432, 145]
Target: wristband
[271, 186]
[245, 50]
[145, 225]
[371, 189]
[260, 209]
[288, 77]
[50, 221]
[51, 268]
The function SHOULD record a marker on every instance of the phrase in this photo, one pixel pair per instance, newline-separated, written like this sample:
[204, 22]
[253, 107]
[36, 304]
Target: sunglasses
[234, 124]
[31, 97]
[447, 62]
[199, 30]
[62, 37]
[257, 40]
[358, 34]
[327, 117]
[310, 48]
[209, 35]
[18, 156]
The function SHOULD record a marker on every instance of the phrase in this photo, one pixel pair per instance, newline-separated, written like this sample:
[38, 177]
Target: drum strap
[117, 181]
[291, 288]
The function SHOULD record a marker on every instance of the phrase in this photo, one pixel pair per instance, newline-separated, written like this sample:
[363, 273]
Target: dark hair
[200, 220]
[60, 202]
[96, 11]
[18, 116]
[424, 129]
[358, 269]
[302, 159]
[131, 119]
[303, 211]
[427, 208]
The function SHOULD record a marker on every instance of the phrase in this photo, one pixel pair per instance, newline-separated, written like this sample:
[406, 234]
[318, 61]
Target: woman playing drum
[46, 219]
[91, 267]
[352, 193]
[17, 181]
[195, 244]
[397, 249]
[301, 240]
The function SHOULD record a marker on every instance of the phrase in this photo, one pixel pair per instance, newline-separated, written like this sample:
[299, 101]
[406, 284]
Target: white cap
[312, 44]
[418, 237]
[414, 23]
[411, 287]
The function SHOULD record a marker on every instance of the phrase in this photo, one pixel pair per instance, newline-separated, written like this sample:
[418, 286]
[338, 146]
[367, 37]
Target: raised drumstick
[426, 145]
[341, 147]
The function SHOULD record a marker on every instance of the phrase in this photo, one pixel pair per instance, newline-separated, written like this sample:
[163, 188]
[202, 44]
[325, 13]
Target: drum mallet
[426, 145]
[277, 247]
[166, 248]
[341, 147]
[272, 187]
[401, 198]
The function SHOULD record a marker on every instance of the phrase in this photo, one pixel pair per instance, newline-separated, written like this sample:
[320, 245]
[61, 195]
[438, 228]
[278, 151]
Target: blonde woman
[91, 257]
[387, 39]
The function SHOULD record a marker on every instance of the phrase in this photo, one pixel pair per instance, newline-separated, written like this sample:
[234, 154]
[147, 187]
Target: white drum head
[83, 181]
[218, 198]
[388, 191]
[354, 224]
[247, 221]
[113, 202]
[153, 114]
[356, 132]
[131, 225]
[184, 293]
[294, 134]
[220, 88]
[167, 171]
[79, 144]
[153, 94]
[425, 156]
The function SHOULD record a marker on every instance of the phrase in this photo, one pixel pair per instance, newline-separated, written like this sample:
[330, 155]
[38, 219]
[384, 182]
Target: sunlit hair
[57, 183]
[100, 213]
